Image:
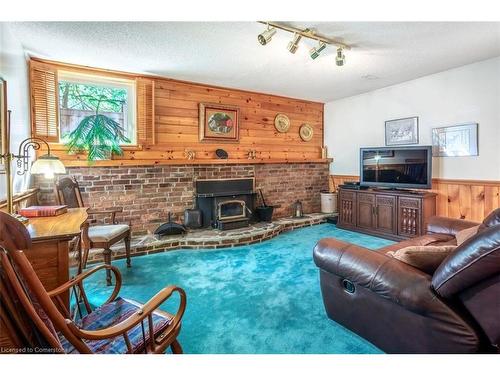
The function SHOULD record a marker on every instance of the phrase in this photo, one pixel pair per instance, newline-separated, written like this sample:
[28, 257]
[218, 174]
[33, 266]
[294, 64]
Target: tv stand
[385, 189]
[392, 214]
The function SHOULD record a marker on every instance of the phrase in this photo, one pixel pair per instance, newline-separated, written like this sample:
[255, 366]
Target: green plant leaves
[98, 135]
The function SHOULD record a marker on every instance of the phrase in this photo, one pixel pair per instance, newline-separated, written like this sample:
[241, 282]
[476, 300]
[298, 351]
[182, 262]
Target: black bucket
[264, 213]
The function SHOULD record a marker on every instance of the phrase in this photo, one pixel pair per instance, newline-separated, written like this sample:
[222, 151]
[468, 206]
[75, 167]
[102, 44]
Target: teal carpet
[261, 298]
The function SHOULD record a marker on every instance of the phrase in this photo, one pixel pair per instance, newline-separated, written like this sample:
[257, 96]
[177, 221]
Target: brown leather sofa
[401, 309]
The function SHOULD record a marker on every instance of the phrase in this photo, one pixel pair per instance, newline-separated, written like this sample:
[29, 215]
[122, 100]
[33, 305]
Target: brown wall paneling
[176, 125]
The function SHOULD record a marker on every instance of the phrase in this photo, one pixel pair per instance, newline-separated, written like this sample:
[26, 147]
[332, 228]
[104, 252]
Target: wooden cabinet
[347, 209]
[365, 210]
[385, 213]
[391, 214]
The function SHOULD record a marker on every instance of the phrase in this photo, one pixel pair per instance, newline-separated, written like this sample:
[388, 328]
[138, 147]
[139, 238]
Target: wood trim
[121, 162]
[434, 180]
[20, 197]
[466, 182]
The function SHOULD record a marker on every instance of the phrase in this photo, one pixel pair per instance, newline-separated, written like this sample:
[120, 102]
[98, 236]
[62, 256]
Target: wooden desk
[49, 253]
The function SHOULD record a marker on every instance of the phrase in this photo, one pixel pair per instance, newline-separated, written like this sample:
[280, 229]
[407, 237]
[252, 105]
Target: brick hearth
[148, 193]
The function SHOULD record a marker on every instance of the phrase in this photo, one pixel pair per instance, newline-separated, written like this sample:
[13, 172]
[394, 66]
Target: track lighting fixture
[266, 36]
[294, 44]
[315, 51]
[340, 58]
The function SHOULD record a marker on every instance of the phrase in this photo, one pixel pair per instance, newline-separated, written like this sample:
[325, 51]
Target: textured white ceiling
[228, 54]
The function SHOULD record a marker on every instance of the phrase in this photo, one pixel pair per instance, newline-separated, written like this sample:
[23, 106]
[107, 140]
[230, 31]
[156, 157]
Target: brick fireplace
[148, 193]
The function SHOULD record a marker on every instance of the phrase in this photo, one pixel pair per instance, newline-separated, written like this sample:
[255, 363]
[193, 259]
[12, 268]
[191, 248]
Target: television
[396, 167]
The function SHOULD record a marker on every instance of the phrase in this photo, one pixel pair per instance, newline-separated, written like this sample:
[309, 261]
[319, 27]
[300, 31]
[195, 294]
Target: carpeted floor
[262, 298]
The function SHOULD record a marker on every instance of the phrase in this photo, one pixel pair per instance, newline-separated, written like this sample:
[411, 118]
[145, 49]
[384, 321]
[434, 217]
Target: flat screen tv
[396, 167]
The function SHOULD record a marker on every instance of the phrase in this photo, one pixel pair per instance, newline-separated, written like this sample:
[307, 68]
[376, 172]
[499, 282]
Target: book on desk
[42, 211]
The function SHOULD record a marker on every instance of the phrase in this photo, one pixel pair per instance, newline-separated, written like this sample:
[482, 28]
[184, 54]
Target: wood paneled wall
[176, 126]
[460, 199]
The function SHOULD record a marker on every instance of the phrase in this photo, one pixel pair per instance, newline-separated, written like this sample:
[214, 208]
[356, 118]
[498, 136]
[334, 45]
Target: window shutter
[145, 111]
[44, 102]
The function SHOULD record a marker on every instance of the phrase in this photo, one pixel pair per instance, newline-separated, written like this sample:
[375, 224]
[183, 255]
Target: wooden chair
[68, 192]
[118, 326]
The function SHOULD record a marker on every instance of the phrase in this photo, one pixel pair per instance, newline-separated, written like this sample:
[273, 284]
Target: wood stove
[226, 203]
[231, 210]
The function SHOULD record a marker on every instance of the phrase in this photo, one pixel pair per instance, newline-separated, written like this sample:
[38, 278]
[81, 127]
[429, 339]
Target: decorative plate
[282, 123]
[306, 132]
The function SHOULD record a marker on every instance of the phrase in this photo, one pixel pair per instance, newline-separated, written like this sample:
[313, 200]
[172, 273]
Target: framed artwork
[219, 123]
[457, 140]
[3, 122]
[403, 131]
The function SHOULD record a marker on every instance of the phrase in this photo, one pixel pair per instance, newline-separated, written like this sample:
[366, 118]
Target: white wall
[470, 93]
[14, 69]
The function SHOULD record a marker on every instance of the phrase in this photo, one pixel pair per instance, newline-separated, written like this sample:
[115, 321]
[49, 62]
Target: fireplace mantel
[131, 162]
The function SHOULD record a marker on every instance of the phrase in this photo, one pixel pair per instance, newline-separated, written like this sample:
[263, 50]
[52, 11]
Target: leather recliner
[401, 309]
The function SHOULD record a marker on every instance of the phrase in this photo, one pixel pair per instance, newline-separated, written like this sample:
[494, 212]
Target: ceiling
[228, 54]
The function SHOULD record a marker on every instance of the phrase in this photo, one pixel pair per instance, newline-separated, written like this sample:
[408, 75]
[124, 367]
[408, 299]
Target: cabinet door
[385, 218]
[366, 210]
[409, 216]
[347, 208]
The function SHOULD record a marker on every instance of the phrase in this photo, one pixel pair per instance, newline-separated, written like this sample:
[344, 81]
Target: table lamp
[47, 164]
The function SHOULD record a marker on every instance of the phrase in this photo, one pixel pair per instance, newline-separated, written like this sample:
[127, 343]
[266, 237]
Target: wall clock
[282, 123]
[306, 132]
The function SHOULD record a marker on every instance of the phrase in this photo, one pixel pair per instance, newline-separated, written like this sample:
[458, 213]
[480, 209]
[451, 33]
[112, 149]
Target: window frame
[101, 80]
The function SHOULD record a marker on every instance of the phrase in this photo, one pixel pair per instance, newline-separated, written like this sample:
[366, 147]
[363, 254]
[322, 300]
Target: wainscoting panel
[460, 199]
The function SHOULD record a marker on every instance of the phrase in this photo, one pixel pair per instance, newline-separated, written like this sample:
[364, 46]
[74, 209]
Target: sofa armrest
[389, 278]
[446, 225]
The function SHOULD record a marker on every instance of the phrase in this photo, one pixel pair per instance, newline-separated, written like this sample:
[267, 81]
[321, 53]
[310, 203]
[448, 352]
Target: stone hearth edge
[209, 238]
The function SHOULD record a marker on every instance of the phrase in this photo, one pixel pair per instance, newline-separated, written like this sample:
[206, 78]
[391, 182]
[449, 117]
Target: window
[83, 95]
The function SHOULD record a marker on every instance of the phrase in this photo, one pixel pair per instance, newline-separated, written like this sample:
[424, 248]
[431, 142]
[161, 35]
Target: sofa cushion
[465, 234]
[104, 233]
[475, 260]
[425, 258]
[435, 239]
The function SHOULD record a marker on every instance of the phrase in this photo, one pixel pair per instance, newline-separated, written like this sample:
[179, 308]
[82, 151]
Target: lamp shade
[48, 165]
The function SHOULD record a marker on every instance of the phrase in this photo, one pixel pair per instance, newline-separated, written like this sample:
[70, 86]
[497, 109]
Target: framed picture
[219, 123]
[3, 122]
[403, 131]
[457, 140]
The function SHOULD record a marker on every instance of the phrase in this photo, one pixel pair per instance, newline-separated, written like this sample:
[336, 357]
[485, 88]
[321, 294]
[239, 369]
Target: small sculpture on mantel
[252, 154]
[190, 154]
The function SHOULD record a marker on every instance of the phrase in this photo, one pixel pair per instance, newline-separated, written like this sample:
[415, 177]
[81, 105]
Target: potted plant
[98, 135]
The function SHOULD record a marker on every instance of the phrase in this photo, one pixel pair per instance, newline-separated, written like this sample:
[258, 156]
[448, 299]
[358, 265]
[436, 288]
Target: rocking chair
[118, 326]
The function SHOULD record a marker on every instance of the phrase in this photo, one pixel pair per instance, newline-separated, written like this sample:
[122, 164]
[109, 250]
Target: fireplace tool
[264, 212]
[170, 228]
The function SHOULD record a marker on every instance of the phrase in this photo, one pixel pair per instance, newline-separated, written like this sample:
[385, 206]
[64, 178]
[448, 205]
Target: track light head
[315, 51]
[294, 44]
[340, 58]
[266, 36]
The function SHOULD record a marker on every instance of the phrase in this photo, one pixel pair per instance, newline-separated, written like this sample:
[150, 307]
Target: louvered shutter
[44, 102]
[145, 111]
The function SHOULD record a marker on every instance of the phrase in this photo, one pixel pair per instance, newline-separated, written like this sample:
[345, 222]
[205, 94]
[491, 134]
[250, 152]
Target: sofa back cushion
[425, 258]
[491, 220]
[478, 258]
